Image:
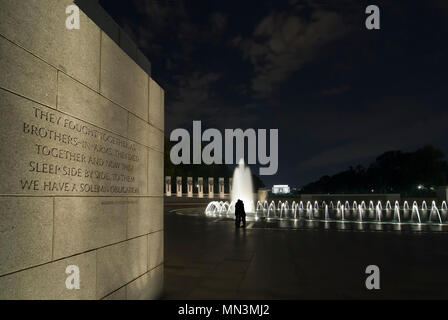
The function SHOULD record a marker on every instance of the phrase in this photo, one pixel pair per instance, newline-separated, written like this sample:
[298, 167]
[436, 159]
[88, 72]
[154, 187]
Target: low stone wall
[339, 197]
[350, 197]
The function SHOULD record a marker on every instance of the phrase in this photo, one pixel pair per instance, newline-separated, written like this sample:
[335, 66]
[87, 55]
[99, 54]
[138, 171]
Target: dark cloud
[191, 98]
[218, 21]
[336, 90]
[339, 94]
[283, 42]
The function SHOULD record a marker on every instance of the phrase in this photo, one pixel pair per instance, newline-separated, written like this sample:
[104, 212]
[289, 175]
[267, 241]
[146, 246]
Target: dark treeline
[200, 170]
[408, 173]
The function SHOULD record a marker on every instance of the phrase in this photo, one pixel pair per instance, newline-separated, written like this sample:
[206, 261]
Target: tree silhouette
[408, 173]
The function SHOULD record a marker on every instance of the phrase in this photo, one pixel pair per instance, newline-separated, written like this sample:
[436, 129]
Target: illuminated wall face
[280, 189]
[81, 165]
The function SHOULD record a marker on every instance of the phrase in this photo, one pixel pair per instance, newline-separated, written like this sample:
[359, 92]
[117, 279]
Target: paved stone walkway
[208, 258]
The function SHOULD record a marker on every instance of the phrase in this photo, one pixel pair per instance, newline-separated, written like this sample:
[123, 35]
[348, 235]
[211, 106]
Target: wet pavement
[207, 258]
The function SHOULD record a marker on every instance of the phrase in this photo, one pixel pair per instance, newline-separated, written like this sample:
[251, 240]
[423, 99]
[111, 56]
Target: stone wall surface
[81, 170]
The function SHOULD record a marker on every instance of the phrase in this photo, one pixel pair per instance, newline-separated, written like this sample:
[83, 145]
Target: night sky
[339, 94]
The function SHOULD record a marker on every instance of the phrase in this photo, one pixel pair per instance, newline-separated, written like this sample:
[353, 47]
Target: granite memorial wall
[81, 170]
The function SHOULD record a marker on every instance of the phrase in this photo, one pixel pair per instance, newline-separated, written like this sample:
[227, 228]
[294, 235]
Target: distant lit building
[281, 189]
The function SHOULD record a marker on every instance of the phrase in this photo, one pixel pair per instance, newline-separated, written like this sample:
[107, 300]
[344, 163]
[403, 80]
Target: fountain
[378, 214]
[242, 187]
[271, 208]
[382, 213]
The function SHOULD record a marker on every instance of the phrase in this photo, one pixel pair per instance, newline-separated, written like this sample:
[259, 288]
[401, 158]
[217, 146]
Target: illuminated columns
[211, 182]
[221, 188]
[262, 195]
[189, 187]
[168, 186]
[230, 187]
[200, 187]
[442, 194]
[179, 186]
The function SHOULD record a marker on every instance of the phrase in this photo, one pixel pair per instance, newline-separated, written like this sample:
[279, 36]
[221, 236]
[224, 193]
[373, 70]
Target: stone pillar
[221, 188]
[262, 195]
[230, 187]
[190, 187]
[168, 186]
[442, 194]
[200, 187]
[211, 185]
[179, 186]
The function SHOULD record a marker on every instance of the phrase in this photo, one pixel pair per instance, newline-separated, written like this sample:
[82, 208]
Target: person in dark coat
[240, 214]
[237, 216]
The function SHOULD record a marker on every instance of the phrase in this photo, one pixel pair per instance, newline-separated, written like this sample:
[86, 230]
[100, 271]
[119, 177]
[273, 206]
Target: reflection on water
[367, 226]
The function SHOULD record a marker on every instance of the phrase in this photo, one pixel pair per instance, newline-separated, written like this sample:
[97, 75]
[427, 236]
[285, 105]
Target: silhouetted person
[240, 214]
[237, 214]
[237, 218]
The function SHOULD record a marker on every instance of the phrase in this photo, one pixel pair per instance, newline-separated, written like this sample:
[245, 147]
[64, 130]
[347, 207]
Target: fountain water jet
[360, 211]
[242, 187]
[271, 208]
[309, 210]
[379, 210]
[415, 210]
[397, 212]
[434, 210]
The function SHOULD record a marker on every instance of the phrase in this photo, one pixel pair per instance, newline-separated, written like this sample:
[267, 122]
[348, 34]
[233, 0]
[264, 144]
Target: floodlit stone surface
[156, 103]
[82, 102]
[35, 26]
[48, 281]
[157, 219]
[155, 173]
[55, 158]
[156, 140]
[155, 249]
[81, 172]
[26, 226]
[143, 217]
[102, 219]
[119, 264]
[120, 294]
[122, 80]
[147, 287]
[27, 75]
